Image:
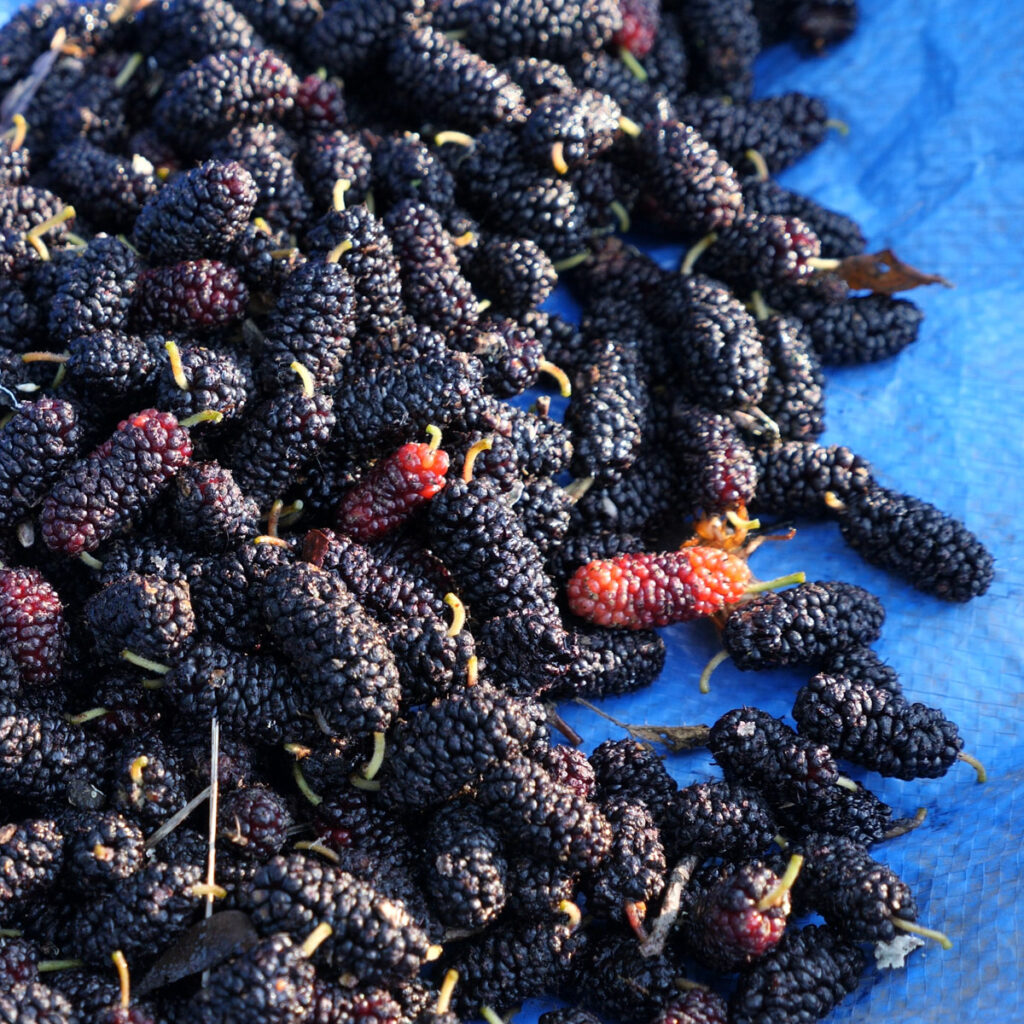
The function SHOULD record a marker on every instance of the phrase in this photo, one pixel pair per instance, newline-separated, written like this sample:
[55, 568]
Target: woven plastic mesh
[933, 166]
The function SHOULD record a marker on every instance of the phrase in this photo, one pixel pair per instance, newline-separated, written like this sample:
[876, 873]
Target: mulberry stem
[458, 614]
[564, 385]
[572, 261]
[975, 764]
[304, 787]
[760, 167]
[341, 186]
[146, 663]
[467, 466]
[705, 676]
[775, 584]
[315, 938]
[123, 977]
[928, 933]
[177, 370]
[558, 158]
[372, 766]
[775, 897]
[444, 993]
[695, 251]
[637, 70]
[308, 382]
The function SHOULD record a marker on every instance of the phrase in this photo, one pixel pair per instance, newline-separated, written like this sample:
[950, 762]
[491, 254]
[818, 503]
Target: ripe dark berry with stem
[149, 779]
[280, 436]
[498, 568]
[691, 187]
[102, 495]
[36, 444]
[235, 86]
[634, 869]
[272, 982]
[738, 913]
[917, 541]
[859, 897]
[146, 614]
[756, 251]
[795, 476]
[878, 728]
[255, 821]
[455, 84]
[803, 625]
[802, 979]
[516, 960]
[375, 940]
[112, 188]
[514, 273]
[32, 625]
[567, 131]
[102, 847]
[198, 214]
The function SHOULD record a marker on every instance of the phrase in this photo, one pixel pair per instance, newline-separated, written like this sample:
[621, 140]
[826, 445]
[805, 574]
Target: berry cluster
[232, 570]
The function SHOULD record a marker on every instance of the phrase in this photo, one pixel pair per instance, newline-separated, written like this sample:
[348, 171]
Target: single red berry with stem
[393, 489]
[646, 590]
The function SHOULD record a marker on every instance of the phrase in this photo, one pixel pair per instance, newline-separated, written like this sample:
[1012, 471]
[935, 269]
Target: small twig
[670, 906]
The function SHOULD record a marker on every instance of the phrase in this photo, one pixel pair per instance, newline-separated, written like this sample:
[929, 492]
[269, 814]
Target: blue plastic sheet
[933, 166]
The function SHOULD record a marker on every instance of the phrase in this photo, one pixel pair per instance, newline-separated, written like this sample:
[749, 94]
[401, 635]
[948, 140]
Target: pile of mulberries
[252, 254]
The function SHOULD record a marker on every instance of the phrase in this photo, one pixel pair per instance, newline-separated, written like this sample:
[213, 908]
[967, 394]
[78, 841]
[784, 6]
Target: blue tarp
[933, 166]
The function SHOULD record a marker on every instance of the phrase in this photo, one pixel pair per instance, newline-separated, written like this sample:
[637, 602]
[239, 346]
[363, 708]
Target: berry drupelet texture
[33, 628]
[375, 940]
[877, 728]
[803, 625]
[452, 82]
[642, 591]
[446, 745]
[800, 981]
[917, 541]
[102, 495]
[794, 477]
[194, 295]
[691, 188]
[349, 674]
[465, 867]
[199, 213]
